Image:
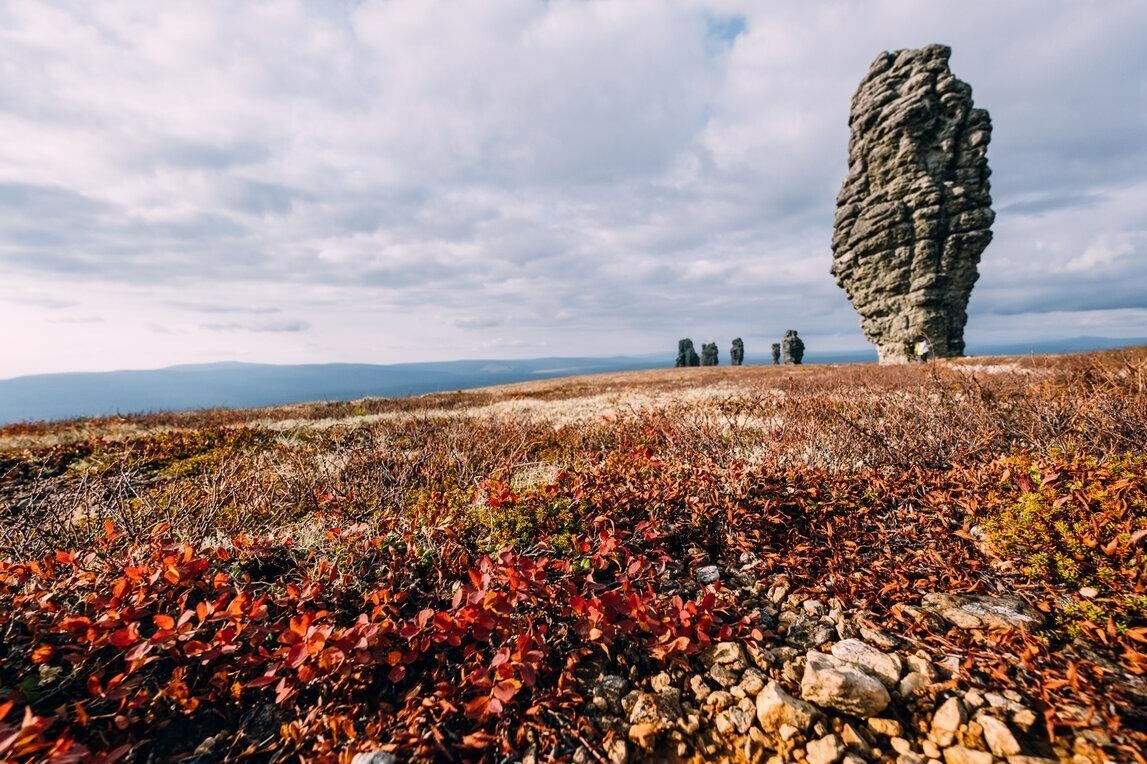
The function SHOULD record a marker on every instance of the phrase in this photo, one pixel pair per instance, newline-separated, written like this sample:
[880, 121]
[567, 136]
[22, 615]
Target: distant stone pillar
[792, 347]
[709, 354]
[776, 353]
[737, 352]
[686, 355]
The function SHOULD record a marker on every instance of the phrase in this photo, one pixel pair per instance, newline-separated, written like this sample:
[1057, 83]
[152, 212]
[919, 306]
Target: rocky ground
[834, 688]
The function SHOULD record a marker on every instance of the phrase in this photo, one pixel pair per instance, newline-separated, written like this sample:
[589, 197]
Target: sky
[389, 181]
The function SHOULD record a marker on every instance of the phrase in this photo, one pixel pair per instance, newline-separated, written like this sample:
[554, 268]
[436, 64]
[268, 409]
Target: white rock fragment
[949, 716]
[958, 754]
[885, 667]
[998, 736]
[834, 683]
[826, 750]
[776, 708]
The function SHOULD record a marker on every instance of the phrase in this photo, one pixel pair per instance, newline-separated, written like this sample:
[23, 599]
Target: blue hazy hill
[243, 385]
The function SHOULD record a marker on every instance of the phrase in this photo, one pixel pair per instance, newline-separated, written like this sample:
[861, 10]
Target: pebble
[949, 716]
[707, 575]
[883, 666]
[1025, 719]
[776, 708]
[826, 750]
[913, 684]
[998, 736]
[958, 754]
[834, 683]
[724, 654]
[374, 757]
[886, 727]
[752, 682]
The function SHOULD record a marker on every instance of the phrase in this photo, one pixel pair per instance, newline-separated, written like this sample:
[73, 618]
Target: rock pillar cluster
[914, 213]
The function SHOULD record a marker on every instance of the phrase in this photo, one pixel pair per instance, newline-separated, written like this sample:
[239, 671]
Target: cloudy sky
[391, 181]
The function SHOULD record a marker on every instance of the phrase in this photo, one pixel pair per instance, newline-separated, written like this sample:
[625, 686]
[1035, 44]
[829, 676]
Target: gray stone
[884, 667]
[946, 721]
[608, 693]
[792, 347]
[734, 720]
[723, 675]
[737, 352]
[709, 354]
[616, 751]
[725, 654]
[701, 689]
[913, 215]
[707, 574]
[661, 708]
[965, 611]
[752, 682]
[776, 708]
[808, 632]
[776, 348]
[686, 355]
[833, 683]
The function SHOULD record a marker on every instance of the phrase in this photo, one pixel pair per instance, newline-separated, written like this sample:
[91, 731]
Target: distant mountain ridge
[231, 384]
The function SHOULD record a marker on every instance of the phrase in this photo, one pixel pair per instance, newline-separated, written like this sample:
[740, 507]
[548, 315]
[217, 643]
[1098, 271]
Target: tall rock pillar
[914, 213]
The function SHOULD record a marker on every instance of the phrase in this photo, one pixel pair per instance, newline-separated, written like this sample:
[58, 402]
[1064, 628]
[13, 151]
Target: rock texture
[792, 347]
[914, 213]
[777, 700]
[709, 354]
[737, 352]
[776, 353]
[686, 355]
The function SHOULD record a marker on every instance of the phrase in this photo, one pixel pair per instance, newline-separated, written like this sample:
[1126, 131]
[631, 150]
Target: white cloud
[391, 177]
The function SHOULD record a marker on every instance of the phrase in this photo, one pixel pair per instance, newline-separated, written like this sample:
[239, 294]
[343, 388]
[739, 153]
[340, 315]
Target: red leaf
[296, 655]
[262, 681]
[506, 689]
[124, 637]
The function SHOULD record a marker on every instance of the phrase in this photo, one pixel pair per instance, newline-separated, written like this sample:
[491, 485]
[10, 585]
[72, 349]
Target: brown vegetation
[440, 575]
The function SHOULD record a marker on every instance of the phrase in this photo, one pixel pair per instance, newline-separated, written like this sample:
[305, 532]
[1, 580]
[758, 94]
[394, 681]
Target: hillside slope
[822, 564]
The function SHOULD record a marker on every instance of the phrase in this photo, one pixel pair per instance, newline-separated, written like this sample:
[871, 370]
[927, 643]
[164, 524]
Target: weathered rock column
[792, 347]
[709, 354]
[737, 352]
[686, 355]
[776, 353]
[914, 213]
